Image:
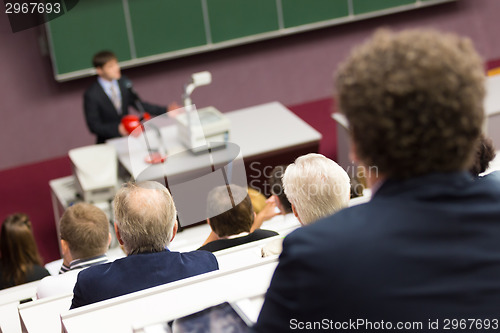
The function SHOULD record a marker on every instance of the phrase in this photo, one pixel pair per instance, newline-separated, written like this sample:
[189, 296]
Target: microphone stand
[139, 105]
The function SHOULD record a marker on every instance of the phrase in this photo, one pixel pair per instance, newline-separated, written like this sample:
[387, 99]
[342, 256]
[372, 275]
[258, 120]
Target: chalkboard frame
[211, 46]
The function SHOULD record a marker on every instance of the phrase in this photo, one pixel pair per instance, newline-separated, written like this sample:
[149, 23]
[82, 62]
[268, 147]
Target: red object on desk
[131, 122]
[155, 158]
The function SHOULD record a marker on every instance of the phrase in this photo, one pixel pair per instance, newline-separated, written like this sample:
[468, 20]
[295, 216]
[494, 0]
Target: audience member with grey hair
[145, 224]
[231, 217]
[316, 187]
[141, 224]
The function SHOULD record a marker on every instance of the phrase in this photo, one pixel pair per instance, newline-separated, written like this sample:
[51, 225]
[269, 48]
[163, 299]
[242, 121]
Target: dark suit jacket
[222, 244]
[422, 249]
[137, 272]
[101, 115]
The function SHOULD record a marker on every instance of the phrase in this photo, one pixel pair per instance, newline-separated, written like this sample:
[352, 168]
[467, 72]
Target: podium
[267, 135]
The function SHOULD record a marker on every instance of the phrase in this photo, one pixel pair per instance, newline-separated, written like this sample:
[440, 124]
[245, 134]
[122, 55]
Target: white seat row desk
[43, 316]
[173, 300]
[10, 299]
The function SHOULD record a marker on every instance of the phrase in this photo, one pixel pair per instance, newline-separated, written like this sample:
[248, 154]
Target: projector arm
[197, 80]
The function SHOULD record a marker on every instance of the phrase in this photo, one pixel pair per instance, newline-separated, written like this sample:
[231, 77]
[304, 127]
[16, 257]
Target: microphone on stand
[154, 155]
[136, 98]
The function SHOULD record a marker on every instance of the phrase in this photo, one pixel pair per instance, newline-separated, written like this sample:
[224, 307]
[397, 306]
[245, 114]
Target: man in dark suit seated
[107, 100]
[145, 223]
[424, 254]
[231, 218]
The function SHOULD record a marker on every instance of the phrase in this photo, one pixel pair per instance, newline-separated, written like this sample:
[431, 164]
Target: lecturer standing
[106, 101]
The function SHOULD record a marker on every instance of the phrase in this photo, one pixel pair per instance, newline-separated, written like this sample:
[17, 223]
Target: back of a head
[18, 247]
[276, 183]
[316, 186]
[230, 211]
[258, 199]
[102, 58]
[145, 216]
[86, 229]
[414, 101]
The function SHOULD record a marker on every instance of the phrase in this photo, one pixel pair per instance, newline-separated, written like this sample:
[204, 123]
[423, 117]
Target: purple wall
[43, 119]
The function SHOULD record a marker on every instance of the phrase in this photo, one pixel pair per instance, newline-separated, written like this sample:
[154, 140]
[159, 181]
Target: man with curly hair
[426, 249]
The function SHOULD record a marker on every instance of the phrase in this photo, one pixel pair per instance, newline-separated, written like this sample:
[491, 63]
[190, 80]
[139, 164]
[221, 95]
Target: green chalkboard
[92, 25]
[299, 12]
[166, 25]
[230, 19]
[142, 31]
[366, 6]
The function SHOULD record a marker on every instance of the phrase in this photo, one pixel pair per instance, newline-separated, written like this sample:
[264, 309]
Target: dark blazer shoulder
[94, 88]
[95, 271]
[204, 257]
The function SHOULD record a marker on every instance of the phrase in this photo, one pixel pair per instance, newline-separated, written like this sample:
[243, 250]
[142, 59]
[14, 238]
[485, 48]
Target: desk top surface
[255, 130]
